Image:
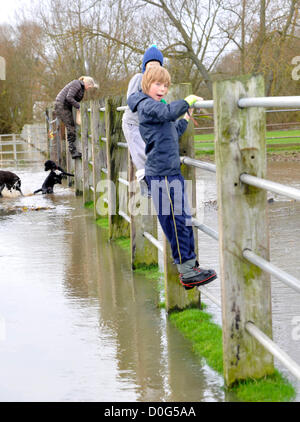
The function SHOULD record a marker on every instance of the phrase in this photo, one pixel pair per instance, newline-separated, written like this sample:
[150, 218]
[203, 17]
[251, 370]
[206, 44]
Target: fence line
[13, 142]
[240, 170]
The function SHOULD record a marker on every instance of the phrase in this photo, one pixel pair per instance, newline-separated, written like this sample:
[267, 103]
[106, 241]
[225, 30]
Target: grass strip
[206, 339]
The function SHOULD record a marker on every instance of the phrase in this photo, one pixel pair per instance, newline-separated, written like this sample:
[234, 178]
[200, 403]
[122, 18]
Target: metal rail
[197, 163]
[208, 230]
[266, 266]
[154, 241]
[204, 104]
[122, 144]
[271, 186]
[123, 181]
[288, 101]
[125, 216]
[272, 347]
[204, 291]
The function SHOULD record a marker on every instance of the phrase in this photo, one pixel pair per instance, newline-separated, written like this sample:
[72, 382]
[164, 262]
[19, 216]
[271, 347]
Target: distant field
[279, 140]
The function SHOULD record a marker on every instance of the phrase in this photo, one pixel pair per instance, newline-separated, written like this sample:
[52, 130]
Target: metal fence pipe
[154, 241]
[204, 104]
[271, 186]
[104, 170]
[205, 292]
[288, 101]
[209, 231]
[286, 278]
[123, 181]
[197, 163]
[272, 347]
[285, 110]
[122, 144]
[102, 108]
[122, 108]
[104, 139]
[125, 216]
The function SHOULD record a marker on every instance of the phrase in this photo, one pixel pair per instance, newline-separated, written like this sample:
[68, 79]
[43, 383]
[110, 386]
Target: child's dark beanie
[152, 53]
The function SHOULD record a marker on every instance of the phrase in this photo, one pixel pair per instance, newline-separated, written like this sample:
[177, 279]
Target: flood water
[76, 324]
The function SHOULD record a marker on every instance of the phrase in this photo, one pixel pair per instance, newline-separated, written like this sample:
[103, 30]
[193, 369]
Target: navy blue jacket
[160, 131]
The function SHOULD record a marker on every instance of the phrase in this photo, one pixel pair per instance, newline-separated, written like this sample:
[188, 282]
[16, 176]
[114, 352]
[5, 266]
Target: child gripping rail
[161, 131]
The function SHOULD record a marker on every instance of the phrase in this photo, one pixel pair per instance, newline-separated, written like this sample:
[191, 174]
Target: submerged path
[77, 323]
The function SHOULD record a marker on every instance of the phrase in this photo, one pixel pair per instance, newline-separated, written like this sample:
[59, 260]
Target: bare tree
[186, 30]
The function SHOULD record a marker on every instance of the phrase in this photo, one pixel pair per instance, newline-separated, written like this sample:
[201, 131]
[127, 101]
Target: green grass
[123, 242]
[204, 144]
[89, 204]
[102, 222]
[206, 339]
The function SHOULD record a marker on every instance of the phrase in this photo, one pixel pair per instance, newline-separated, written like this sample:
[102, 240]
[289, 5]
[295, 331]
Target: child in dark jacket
[70, 96]
[161, 131]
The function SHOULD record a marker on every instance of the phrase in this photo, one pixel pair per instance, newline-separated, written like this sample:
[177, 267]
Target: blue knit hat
[151, 54]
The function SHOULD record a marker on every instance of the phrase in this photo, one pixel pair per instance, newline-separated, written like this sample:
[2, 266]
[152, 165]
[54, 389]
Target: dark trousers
[171, 204]
[66, 116]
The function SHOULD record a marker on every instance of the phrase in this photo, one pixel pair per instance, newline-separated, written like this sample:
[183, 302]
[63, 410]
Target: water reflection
[81, 326]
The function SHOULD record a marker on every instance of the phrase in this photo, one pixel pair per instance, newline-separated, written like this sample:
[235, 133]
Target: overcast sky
[8, 8]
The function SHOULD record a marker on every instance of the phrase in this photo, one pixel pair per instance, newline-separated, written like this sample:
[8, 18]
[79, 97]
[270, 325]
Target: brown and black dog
[10, 181]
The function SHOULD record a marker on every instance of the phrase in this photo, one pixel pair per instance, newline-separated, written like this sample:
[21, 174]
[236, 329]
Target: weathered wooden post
[96, 149]
[116, 165]
[143, 252]
[76, 164]
[52, 137]
[101, 204]
[69, 161]
[176, 296]
[87, 193]
[242, 215]
[47, 120]
[62, 130]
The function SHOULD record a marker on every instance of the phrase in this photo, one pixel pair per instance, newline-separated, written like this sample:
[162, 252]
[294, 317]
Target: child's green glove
[192, 99]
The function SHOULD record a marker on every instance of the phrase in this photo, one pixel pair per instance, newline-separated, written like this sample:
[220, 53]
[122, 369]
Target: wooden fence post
[116, 167]
[63, 146]
[100, 205]
[47, 118]
[242, 215]
[52, 135]
[77, 163]
[87, 193]
[96, 149]
[143, 252]
[176, 296]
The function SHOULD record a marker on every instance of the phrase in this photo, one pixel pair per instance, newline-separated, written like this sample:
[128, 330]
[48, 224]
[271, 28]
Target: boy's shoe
[200, 278]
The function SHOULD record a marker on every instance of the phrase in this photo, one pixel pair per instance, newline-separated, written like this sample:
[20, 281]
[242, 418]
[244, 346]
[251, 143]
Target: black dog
[54, 177]
[10, 181]
[51, 165]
